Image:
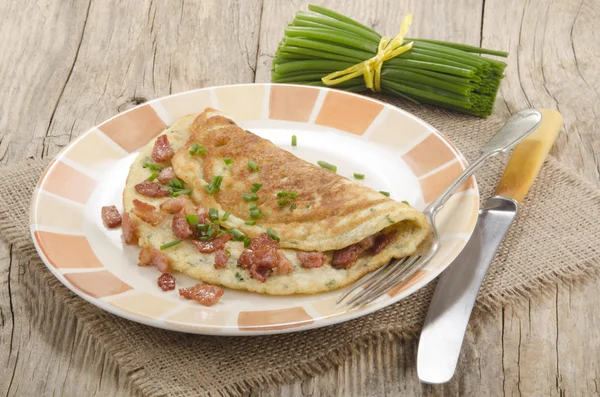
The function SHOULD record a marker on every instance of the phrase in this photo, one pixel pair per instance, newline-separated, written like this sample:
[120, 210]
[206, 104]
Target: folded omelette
[228, 207]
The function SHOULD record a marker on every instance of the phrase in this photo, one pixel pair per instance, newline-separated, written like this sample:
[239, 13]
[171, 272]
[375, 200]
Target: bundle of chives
[439, 73]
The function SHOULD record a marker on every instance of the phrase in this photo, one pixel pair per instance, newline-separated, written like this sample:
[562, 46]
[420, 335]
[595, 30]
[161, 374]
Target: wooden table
[67, 65]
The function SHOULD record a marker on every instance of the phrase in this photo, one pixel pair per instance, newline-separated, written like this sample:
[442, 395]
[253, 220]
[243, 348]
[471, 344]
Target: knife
[457, 288]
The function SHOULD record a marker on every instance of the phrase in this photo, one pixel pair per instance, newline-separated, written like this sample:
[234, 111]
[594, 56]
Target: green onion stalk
[439, 73]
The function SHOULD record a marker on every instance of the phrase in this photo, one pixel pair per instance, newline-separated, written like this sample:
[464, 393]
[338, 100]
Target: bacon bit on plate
[221, 259]
[128, 230]
[261, 257]
[311, 259]
[162, 149]
[166, 174]
[151, 256]
[179, 203]
[205, 294]
[151, 189]
[284, 266]
[213, 245]
[111, 216]
[181, 227]
[147, 212]
[166, 282]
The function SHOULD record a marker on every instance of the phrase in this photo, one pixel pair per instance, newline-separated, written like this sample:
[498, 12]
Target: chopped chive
[405, 202]
[282, 193]
[202, 151]
[176, 183]
[308, 205]
[239, 236]
[326, 165]
[293, 195]
[253, 206]
[294, 141]
[239, 276]
[228, 161]
[169, 244]
[359, 176]
[255, 214]
[213, 214]
[192, 219]
[256, 187]
[283, 202]
[215, 185]
[153, 176]
[225, 216]
[216, 223]
[202, 227]
[178, 193]
[221, 231]
[249, 197]
[387, 194]
[250, 223]
[247, 242]
[210, 232]
[228, 253]
[292, 207]
[194, 149]
[152, 166]
[273, 235]
[253, 165]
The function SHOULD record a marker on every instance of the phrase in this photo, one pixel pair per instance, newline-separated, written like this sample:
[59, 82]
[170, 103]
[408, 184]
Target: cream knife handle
[528, 157]
[457, 289]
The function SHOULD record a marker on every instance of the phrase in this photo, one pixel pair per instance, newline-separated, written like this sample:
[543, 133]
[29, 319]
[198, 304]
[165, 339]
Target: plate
[397, 152]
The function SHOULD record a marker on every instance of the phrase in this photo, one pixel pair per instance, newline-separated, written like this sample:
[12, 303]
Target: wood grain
[66, 65]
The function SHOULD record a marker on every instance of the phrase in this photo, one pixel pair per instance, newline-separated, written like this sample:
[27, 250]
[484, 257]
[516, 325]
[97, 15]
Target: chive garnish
[169, 244]
[192, 219]
[253, 206]
[237, 235]
[177, 193]
[202, 151]
[253, 165]
[282, 193]
[228, 253]
[387, 194]
[249, 197]
[247, 242]
[225, 216]
[250, 223]
[203, 227]
[215, 185]
[359, 176]
[294, 141]
[256, 187]
[405, 202]
[283, 202]
[213, 214]
[326, 165]
[176, 183]
[292, 207]
[293, 195]
[255, 214]
[152, 166]
[228, 161]
[273, 235]
[194, 149]
[153, 176]
[210, 231]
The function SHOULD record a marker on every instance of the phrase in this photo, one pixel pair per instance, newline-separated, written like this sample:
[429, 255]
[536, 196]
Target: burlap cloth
[555, 238]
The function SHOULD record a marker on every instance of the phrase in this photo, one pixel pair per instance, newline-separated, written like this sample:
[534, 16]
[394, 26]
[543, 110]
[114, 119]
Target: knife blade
[455, 294]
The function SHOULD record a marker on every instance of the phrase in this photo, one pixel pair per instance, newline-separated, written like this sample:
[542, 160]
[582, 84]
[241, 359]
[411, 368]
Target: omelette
[230, 208]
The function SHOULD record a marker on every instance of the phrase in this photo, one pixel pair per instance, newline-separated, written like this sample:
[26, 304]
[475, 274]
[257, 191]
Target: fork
[398, 270]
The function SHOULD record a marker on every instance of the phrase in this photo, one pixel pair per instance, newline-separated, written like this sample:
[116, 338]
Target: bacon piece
[162, 149]
[180, 226]
[383, 240]
[221, 259]
[179, 203]
[284, 266]
[261, 257]
[151, 189]
[166, 282]
[346, 257]
[213, 245]
[128, 230]
[311, 259]
[205, 294]
[203, 216]
[147, 212]
[152, 256]
[111, 216]
[166, 174]
[366, 243]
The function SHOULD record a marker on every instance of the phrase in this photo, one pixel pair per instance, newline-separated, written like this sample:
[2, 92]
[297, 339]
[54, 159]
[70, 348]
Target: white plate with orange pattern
[397, 152]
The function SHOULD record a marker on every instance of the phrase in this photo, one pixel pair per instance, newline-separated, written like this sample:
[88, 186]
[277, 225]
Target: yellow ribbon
[371, 68]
